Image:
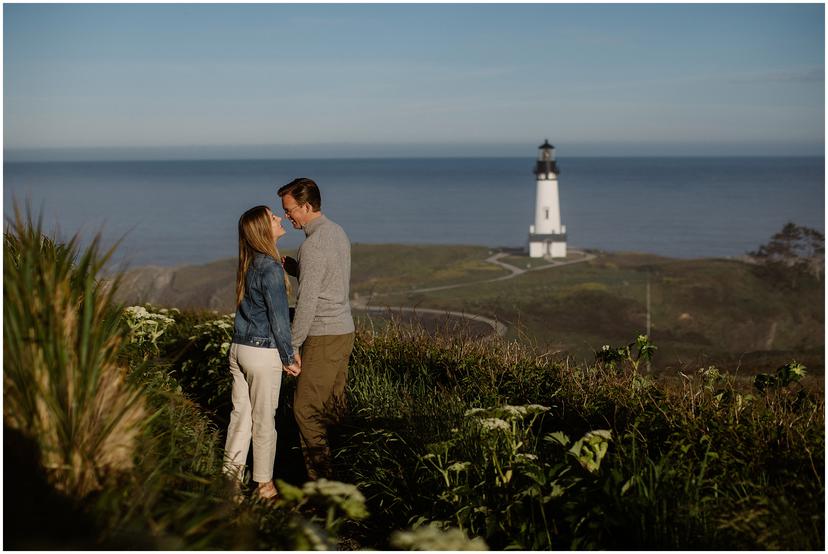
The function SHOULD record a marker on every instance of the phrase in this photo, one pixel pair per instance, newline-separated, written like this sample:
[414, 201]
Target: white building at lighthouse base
[549, 245]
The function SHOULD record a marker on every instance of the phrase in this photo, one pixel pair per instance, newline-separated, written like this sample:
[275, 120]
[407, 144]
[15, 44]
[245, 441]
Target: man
[323, 329]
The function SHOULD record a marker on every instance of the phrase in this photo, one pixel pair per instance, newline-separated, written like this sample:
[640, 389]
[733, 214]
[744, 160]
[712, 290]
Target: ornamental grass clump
[64, 387]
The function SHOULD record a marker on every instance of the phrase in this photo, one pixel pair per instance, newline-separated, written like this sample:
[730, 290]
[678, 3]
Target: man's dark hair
[304, 191]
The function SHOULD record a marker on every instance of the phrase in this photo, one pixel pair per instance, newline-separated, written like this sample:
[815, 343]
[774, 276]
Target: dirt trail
[369, 303]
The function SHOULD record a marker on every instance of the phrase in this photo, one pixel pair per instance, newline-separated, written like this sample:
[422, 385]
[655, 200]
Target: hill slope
[702, 311]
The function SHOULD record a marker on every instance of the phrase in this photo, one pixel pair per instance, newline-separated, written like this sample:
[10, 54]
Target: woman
[261, 348]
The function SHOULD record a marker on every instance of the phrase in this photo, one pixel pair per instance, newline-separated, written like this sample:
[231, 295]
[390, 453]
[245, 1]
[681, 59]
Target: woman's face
[276, 225]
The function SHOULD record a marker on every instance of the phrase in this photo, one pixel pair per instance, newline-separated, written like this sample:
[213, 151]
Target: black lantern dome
[546, 165]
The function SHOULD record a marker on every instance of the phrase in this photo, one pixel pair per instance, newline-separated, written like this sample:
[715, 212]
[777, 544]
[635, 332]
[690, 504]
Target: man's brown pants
[320, 396]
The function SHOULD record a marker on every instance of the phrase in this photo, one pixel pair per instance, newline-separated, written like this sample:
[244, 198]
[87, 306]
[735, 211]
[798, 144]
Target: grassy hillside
[375, 269]
[382, 268]
[701, 310]
[114, 420]
[706, 311]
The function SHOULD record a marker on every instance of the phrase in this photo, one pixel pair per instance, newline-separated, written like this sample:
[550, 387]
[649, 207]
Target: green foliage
[338, 501]
[474, 435]
[176, 497]
[454, 442]
[197, 349]
[785, 375]
[93, 388]
[147, 325]
[434, 537]
[211, 340]
[590, 449]
[632, 354]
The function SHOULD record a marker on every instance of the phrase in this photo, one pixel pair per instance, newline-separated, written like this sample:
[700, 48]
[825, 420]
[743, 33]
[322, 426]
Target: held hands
[296, 367]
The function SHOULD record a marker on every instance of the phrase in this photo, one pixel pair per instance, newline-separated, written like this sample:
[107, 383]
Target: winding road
[364, 304]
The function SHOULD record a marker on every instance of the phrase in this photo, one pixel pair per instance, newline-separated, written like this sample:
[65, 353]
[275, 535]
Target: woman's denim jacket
[262, 318]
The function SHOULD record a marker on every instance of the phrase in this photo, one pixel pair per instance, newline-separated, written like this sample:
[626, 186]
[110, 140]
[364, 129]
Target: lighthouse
[547, 237]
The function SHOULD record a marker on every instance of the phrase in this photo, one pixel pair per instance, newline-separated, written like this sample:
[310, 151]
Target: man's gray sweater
[322, 306]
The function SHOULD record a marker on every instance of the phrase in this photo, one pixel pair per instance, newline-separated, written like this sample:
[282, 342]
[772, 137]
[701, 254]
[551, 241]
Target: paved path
[514, 271]
[360, 303]
[496, 326]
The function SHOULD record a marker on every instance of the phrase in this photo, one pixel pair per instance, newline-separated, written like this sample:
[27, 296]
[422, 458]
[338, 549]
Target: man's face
[296, 214]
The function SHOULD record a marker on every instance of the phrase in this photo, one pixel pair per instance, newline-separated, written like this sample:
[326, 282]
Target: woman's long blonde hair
[255, 235]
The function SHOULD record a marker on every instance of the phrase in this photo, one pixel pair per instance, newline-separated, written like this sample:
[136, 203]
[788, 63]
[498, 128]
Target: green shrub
[198, 351]
[433, 435]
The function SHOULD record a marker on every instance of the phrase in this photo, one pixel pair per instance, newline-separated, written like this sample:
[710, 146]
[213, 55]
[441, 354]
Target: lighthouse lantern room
[547, 237]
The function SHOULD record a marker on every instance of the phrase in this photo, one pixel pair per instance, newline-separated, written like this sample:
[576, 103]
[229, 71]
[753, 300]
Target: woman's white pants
[257, 378]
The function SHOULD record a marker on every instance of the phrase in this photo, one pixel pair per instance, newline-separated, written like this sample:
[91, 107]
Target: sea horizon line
[260, 158]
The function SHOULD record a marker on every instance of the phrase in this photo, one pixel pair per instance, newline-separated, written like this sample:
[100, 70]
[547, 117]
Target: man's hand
[293, 369]
[297, 357]
[291, 266]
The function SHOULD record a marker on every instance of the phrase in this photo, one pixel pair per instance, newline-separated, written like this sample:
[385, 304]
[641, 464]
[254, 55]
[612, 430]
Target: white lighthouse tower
[547, 237]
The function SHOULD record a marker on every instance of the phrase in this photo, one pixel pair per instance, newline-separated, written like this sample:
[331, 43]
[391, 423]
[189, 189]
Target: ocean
[182, 212]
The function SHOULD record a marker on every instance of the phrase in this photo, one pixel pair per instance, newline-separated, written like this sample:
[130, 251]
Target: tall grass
[708, 464]
[63, 384]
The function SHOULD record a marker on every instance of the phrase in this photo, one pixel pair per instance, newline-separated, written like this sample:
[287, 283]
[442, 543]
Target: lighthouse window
[546, 211]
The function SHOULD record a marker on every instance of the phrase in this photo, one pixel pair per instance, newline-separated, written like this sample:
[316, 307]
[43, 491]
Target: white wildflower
[533, 409]
[136, 311]
[346, 496]
[144, 325]
[331, 488]
[517, 412]
[431, 537]
[494, 423]
[513, 412]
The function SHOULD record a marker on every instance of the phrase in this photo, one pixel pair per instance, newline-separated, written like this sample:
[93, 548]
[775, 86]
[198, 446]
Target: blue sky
[155, 80]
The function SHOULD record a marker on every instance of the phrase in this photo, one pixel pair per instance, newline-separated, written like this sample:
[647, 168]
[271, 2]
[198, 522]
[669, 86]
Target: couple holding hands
[315, 347]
